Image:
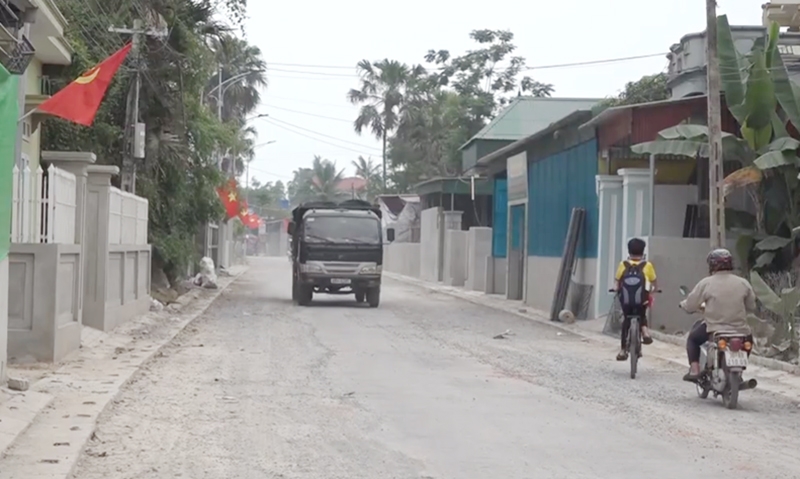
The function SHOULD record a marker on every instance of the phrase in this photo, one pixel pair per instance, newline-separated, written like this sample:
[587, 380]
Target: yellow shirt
[649, 271]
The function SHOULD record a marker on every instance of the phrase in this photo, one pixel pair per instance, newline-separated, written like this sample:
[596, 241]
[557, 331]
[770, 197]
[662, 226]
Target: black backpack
[633, 294]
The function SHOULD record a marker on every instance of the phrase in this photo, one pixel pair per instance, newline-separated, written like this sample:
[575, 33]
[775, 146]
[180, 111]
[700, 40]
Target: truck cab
[336, 248]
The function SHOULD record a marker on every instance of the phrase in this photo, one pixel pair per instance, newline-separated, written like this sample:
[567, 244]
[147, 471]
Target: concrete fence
[81, 257]
[402, 258]
[127, 218]
[44, 207]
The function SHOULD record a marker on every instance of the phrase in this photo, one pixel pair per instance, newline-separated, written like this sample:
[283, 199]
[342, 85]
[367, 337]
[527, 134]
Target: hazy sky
[312, 48]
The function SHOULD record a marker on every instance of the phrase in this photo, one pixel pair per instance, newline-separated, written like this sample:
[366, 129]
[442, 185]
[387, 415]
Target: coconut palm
[381, 94]
[235, 57]
[326, 179]
[370, 172]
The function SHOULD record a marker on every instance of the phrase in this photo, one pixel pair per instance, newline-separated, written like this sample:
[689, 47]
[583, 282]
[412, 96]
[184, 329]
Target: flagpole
[26, 115]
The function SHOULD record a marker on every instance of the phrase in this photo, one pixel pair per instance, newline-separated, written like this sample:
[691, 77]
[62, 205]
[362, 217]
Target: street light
[223, 86]
[247, 179]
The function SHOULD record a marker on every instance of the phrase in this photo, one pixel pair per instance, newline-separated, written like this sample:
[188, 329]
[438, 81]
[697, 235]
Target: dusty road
[258, 388]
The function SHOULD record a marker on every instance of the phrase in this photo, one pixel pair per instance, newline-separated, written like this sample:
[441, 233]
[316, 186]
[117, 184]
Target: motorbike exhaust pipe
[749, 384]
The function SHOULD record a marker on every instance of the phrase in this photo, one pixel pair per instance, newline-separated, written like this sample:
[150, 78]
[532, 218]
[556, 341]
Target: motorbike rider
[728, 299]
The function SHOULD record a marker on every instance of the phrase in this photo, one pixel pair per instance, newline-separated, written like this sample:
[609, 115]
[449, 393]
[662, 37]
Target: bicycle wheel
[633, 346]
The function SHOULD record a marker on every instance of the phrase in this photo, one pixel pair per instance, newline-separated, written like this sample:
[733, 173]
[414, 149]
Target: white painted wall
[670, 208]
[543, 274]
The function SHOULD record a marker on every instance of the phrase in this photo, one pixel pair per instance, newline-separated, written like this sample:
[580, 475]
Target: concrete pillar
[635, 205]
[451, 220]
[77, 163]
[479, 249]
[609, 199]
[430, 244]
[95, 259]
[455, 263]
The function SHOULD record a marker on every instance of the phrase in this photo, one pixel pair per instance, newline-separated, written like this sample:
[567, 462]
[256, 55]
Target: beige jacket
[728, 297]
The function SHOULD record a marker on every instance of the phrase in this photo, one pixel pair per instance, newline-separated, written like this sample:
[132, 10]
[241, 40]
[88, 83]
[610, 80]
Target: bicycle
[634, 344]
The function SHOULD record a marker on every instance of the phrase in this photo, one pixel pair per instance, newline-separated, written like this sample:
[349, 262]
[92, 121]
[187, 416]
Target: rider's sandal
[647, 340]
[622, 356]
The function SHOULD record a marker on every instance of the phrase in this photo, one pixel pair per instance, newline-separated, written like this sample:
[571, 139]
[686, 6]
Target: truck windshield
[342, 229]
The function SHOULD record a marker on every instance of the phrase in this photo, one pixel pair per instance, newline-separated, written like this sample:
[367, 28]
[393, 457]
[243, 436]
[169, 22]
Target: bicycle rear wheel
[634, 343]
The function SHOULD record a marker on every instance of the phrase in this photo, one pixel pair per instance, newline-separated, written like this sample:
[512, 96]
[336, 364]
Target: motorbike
[723, 360]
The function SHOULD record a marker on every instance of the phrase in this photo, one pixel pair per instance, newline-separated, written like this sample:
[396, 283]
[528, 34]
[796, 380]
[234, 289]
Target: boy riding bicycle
[636, 278]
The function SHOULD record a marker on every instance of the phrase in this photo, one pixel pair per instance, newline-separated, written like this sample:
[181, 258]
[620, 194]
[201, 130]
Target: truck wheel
[360, 296]
[374, 297]
[304, 294]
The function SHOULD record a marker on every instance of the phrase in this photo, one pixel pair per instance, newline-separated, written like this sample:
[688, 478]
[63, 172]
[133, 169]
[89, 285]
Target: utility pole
[134, 130]
[716, 200]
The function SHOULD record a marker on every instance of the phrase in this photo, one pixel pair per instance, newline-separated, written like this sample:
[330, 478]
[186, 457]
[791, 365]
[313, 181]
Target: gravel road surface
[418, 388]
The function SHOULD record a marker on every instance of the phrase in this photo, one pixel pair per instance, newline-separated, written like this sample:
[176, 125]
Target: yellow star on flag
[231, 196]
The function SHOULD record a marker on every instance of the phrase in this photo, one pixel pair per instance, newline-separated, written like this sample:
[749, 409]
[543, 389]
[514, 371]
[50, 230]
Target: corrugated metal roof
[527, 115]
[520, 145]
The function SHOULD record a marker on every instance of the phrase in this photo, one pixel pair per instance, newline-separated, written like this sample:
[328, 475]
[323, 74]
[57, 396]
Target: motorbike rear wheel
[730, 398]
[702, 392]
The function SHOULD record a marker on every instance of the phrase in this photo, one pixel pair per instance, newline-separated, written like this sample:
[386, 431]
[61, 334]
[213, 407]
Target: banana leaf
[775, 159]
[731, 68]
[779, 124]
[687, 148]
[772, 243]
[790, 299]
[764, 259]
[783, 143]
[765, 294]
[786, 91]
[760, 98]
[740, 178]
[773, 35]
[684, 132]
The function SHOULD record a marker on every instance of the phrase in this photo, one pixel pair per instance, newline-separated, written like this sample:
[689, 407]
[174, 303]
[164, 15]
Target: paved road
[259, 388]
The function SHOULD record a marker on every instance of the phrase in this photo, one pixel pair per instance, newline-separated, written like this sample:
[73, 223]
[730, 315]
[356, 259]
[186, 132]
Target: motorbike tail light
[722, 344]
[736, 344]
[748, 345]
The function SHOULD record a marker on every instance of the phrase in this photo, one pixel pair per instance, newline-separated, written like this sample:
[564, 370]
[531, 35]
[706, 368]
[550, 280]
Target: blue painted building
[561, 164]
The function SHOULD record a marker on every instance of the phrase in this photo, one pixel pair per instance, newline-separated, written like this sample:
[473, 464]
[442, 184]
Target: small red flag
[229, 196]
[79, 101]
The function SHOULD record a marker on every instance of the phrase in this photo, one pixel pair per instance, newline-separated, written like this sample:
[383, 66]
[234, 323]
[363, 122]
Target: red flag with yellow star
[79, 101]
[229, 195]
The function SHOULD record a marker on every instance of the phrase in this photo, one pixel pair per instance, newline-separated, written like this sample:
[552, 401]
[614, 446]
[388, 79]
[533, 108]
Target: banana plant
[783, 305]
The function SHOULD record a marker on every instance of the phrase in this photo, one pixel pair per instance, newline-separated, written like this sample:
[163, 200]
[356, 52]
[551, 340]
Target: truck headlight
[370, 269]
[311, 268]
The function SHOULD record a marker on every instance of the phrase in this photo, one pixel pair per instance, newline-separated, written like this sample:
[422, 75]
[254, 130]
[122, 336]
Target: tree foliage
[179, 174]
[424, 113]
[646, 89]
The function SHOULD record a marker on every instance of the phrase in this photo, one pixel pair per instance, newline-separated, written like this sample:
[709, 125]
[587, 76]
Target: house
[79, 254]
[538, 180]
[686, 75]
[352, 186]
[31, 35]
[524, 116]
[661, 199]
[467, 216]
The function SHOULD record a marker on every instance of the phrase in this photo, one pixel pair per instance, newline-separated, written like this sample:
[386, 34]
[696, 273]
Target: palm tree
[236, 56]
[370, 172]
[325, 179]
[383, 87]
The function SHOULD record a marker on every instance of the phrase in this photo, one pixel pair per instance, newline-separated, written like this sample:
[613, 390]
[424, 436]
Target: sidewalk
[773, 376]
[44, 430]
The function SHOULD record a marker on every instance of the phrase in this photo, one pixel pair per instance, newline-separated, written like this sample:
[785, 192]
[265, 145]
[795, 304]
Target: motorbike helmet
[719, 259]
